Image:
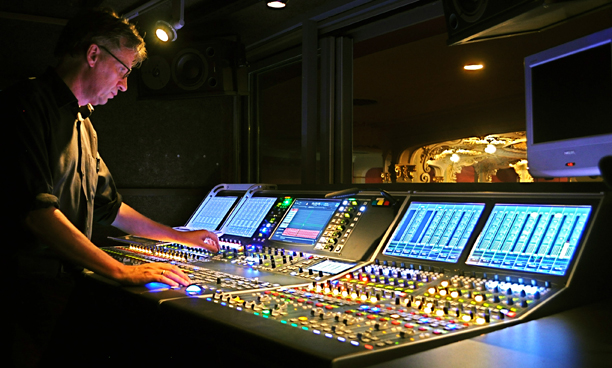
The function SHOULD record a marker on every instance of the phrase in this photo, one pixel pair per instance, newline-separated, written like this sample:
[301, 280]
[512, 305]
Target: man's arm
[50, 225]
[132, 222]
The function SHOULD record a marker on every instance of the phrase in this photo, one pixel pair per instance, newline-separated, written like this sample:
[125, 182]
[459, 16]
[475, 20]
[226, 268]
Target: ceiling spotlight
[277, 4]
[167, 31]
[164, 31]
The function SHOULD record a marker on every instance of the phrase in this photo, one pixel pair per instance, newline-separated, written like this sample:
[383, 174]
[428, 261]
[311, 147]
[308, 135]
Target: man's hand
[153, 272]
[132, 222]
[200, 239]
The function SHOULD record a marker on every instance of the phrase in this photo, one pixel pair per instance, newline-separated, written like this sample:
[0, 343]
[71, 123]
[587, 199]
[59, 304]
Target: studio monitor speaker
[216, 67]
[479, 20]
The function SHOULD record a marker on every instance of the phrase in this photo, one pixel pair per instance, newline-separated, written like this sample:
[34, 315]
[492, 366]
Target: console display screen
[530, 237]
[332, 267]
[249, 216]
[434, 231]
[211, 213]
[306, 220]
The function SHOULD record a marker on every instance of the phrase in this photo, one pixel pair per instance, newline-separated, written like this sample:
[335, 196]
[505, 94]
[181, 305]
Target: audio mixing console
[272, 239]
[363, 281]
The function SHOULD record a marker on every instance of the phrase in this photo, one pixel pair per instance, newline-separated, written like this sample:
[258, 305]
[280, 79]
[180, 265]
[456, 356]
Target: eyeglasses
[129, 70]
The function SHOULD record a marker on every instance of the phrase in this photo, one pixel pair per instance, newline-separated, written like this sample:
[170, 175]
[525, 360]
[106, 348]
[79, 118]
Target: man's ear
[93, 54]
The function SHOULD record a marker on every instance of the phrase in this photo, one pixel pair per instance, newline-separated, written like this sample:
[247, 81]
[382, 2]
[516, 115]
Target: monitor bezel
[572, 157]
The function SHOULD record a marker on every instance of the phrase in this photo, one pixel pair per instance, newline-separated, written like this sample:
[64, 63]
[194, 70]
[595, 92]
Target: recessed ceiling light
[279, 4]
[473, 66]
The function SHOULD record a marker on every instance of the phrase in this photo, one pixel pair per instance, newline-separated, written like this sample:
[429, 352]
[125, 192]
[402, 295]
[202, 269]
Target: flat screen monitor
[531, 238]
[305, 221]
[568, 92]
[211, 213]
[249, 216]
[434, 231]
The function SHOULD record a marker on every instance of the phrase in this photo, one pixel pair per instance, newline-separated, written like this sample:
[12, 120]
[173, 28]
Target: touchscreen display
[249, 216]
[530, 237]
[306, 220]
[211, 213]
[434, 231]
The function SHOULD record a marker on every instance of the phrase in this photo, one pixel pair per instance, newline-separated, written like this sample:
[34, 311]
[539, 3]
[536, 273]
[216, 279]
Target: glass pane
[413, 100]
[279, 119]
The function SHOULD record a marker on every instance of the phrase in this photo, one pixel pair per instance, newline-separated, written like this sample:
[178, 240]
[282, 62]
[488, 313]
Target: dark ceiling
[34, 25]
[409, 78]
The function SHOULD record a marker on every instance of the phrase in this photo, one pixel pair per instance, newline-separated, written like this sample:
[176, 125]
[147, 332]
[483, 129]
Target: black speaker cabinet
[210, 68]
[479, 20]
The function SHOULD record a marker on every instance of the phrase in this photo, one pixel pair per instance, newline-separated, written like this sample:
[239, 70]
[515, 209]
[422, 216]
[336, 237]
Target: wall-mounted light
[277, 4]
[167, 31]
[490, 149]
[455, 158]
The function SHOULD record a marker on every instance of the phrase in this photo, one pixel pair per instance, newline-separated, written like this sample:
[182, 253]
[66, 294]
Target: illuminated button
[479, 298]
[193, 289]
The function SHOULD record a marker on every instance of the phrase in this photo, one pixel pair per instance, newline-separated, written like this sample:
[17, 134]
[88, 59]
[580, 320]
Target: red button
[371, 317]
[368, 346]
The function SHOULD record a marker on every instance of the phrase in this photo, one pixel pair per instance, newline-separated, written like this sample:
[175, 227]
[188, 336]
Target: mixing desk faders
[361, 286]
[367, 311]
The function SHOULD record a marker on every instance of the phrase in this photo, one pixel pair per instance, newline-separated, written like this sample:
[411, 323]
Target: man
[60, 185]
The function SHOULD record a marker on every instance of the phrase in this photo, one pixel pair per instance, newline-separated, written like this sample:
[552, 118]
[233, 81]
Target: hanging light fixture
[167, 31]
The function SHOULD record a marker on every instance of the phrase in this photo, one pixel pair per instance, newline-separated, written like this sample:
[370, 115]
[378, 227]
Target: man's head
[102, 48]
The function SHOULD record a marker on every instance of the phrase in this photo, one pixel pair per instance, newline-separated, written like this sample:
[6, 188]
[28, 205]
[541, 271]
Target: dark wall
[183, 147]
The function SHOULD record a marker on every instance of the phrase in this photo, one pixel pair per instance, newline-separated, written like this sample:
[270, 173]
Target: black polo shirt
[55, 156]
